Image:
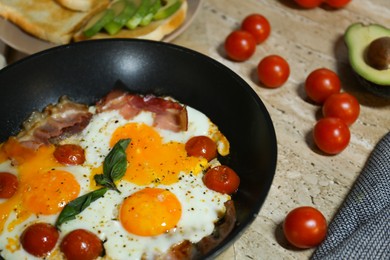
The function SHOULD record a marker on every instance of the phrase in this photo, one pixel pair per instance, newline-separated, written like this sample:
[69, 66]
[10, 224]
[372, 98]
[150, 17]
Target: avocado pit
[378, 53]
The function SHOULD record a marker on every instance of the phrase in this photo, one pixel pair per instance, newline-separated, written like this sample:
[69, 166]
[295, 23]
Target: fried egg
[162, 200]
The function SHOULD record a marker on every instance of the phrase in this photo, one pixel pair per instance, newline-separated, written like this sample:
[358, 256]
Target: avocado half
[358, 38]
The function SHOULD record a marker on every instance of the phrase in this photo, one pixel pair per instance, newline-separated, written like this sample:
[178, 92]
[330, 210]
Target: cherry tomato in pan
[70, 154]
[309, 3]
[8, 185]
[337, 3]
[201, 146]
[331, 135]
[321, 83]
[222, 179]
[273, 71]
[39, 239]
[305, 227]
[81, 244]
[342, 105]
[258, 26]
[240, 45]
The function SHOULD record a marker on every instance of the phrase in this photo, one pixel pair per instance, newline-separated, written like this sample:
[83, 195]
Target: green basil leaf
[76, 206]
[101, 179]
[114, 166]
[104, 181]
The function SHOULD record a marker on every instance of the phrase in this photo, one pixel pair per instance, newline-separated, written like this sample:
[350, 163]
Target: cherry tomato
[273, 71]
[8, 185]
[309, 3]
[201, 146]
[81, 244]
[331, 135]
[258, 26]
[222, 179]
[337, 3]
[240, 45]
[321, 83]
[342, 105]
[305, 227]
[39, 239]
[70, 154]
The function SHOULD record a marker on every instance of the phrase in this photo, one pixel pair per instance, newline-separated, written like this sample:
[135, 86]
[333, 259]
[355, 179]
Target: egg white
[201, 207]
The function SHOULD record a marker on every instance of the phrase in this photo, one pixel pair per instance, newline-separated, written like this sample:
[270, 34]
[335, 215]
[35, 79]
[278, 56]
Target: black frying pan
[86, 71]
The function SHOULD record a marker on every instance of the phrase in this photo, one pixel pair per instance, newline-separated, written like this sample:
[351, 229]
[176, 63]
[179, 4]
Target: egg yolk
[151, 160]
[150, 212]
[49, 193]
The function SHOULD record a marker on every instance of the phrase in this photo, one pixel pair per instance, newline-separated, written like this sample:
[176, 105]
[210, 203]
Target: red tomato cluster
[240, 45]
[81, 244]
[39, 239]
[308, 4]
[273, 70]
[305, 227]
[258, 26]
[340, 110]
[222, 179]
[69, 154]
[8, 185]
[219, 178]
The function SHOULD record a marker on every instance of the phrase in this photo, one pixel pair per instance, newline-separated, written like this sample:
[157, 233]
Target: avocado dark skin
[376, 89]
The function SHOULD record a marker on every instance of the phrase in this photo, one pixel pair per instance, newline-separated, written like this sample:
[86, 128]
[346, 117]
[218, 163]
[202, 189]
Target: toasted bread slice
[46, 19]
[156, 30]
[80, 5]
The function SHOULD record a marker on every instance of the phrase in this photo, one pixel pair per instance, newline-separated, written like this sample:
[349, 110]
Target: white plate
[21, 41]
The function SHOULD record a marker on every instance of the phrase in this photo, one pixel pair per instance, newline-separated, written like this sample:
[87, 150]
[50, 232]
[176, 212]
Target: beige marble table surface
[307, 39]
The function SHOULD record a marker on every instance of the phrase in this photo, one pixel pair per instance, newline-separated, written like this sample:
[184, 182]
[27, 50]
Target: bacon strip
[168, 114]
[54, 123]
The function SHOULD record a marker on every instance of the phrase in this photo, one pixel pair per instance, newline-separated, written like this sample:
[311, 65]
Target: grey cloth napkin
[361, 227]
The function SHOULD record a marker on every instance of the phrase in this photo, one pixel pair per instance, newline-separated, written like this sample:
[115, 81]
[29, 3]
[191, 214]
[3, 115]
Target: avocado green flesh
[130, 13]
[151, 12]
[98, 22]
[124, 10]
[141, 12]
[168, 9]
[358, 37]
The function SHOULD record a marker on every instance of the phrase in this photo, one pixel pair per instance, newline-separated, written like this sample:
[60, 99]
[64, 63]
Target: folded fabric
[361, 227]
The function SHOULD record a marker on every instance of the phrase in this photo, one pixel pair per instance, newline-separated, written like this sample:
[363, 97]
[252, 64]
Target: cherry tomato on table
[240, 45]
[331, 135]
[337, 3]
[273, 71]
[305, 227]
[70, 154]
[81, 244]
[222, 179]
[342, 105]
[8, 185]
[39, 239]
[309, 3]
[201, 146]
[321, 83]
[258, 26]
